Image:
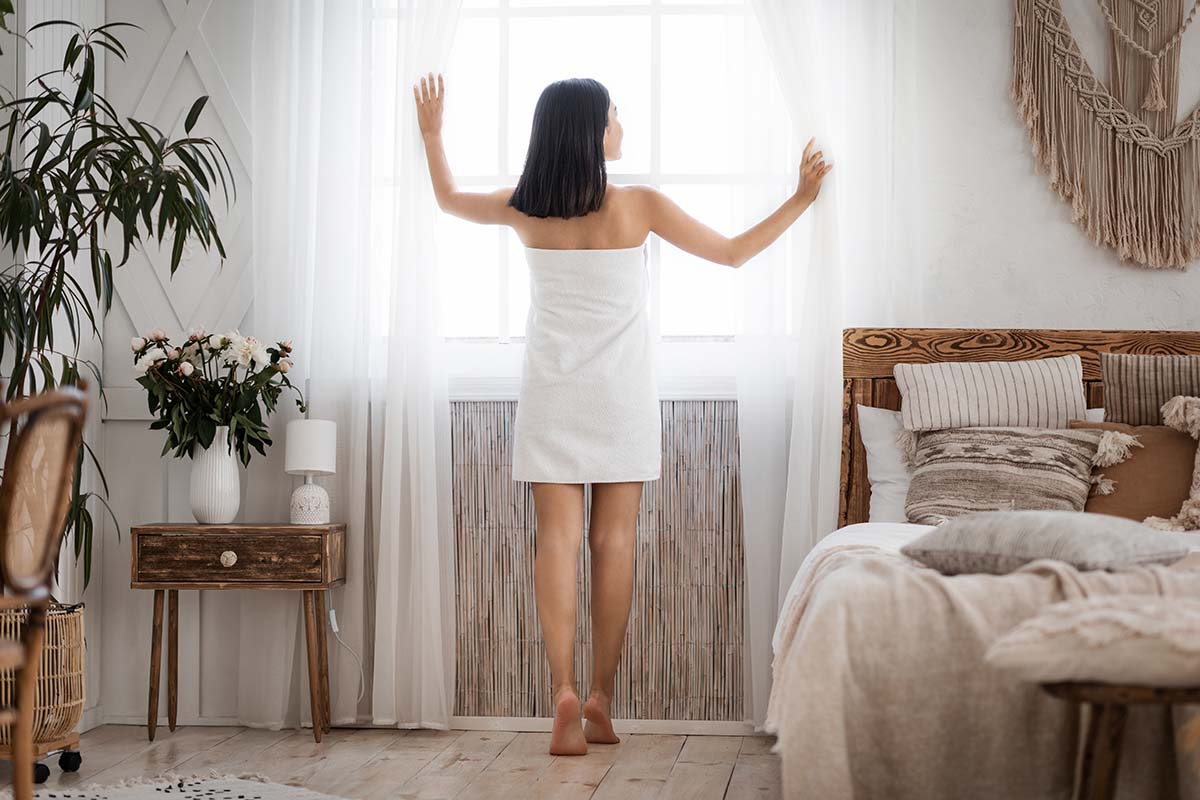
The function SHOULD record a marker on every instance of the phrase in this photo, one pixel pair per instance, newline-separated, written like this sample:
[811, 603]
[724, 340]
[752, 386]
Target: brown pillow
[1156, 478]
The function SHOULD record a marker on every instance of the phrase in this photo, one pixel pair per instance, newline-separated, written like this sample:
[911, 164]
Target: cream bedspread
[880, 688]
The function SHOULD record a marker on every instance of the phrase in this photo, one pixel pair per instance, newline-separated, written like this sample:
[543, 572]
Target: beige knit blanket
[881, 691]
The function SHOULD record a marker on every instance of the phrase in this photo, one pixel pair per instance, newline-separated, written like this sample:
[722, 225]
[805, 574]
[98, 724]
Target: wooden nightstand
[307, 558]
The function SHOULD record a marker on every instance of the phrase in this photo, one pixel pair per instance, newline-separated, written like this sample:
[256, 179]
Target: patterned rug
[195, 787]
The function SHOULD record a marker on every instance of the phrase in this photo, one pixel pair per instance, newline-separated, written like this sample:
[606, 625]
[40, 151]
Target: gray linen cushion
[1136, 386]
[962, 470]
[999, 542]
[1038, 393]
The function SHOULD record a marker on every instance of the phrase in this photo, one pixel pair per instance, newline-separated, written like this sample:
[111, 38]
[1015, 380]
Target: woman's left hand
[429, 103]
[813, 170]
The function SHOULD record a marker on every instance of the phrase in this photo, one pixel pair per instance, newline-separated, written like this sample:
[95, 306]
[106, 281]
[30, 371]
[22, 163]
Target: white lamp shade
[311, 447]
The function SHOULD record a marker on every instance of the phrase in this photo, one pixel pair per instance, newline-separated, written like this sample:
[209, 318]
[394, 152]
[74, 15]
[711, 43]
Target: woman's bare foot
[567, 738]
[598, 729]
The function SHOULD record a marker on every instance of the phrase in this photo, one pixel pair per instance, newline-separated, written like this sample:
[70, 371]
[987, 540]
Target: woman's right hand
[429, 104]
[813, 170]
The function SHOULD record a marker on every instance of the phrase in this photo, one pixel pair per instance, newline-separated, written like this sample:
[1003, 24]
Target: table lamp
[311, 450]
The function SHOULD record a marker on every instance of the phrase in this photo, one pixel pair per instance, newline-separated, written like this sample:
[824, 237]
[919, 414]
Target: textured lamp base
[310, 505]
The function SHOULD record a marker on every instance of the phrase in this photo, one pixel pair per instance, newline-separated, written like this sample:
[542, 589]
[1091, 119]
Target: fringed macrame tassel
[1155, 99]
[1114, 448]
[1103, 485]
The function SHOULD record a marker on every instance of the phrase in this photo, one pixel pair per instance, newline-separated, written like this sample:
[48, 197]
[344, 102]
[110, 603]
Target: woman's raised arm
[487, 208]
[687, 233]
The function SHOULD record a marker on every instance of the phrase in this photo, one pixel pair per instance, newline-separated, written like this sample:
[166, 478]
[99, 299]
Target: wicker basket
[59, 702]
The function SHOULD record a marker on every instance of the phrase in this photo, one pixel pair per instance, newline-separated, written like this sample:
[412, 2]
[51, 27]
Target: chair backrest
[35, 491]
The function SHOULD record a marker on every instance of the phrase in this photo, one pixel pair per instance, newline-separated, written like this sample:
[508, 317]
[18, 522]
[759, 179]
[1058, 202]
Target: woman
[588, 409]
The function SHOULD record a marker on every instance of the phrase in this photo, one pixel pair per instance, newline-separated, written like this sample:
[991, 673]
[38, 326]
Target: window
[704, 122]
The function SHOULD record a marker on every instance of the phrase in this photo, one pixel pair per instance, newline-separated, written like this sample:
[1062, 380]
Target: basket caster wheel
[70, 760]
[40, 772]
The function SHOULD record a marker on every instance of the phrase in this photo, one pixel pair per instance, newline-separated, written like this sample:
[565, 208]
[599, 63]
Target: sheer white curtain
[340, 187]
[833, 63]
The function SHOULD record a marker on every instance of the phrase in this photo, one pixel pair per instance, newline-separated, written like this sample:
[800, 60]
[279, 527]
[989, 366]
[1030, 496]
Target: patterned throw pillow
[1045, 393]
[961, 470]
[1136, 386]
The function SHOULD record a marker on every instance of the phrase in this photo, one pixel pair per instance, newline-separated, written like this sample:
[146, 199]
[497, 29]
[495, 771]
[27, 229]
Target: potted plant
[81, 187]
[212, 395]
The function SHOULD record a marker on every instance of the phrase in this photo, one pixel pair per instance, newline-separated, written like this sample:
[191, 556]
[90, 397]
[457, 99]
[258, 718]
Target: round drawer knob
[228, 558]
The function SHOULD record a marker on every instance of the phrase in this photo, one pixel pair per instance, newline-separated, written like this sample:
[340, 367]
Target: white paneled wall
[184, 50]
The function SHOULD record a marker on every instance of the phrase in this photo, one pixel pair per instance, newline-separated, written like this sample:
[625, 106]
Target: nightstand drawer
[210, 558]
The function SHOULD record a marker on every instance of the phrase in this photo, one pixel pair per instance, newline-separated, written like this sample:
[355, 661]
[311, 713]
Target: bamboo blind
[683, 649]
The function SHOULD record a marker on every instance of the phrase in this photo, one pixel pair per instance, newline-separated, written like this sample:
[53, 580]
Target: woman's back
[616, 225]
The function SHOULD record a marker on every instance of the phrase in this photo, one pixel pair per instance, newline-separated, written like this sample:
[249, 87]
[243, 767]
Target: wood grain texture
[172, 658]
[1101, 757]
[872, 352]
[385, 764]
[267, 556]
[323, 658]
[1107, 707]
[155, 664]
[869, 355]
[1127, 695]
[316, 700]
[683, 651]
[309, 558]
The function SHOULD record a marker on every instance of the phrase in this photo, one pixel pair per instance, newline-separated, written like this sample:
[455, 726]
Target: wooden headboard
[868, 355]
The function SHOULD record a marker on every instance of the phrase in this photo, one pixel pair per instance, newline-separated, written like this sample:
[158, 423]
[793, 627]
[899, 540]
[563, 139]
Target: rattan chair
[35, 494]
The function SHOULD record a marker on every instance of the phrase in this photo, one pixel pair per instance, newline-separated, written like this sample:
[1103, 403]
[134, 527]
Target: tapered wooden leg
[172, 657]
[26, 690]
[323, 657]
[314, 670]
[1101, 752]
[155, 663]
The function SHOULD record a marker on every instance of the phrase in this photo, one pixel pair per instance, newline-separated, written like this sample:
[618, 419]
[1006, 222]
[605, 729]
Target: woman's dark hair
[564, 173]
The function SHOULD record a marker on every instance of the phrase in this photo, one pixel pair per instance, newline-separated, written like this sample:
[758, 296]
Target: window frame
[689, 366]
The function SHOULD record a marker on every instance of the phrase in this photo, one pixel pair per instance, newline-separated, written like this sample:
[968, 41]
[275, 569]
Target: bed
[880, 687]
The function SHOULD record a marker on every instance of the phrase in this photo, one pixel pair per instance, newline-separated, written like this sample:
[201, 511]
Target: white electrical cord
[362, 677]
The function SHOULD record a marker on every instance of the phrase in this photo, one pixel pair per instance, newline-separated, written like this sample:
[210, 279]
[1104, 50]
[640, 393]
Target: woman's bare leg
[612, 537]
[559, 508]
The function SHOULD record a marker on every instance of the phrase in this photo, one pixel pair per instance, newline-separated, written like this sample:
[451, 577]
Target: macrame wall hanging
[1116, 152]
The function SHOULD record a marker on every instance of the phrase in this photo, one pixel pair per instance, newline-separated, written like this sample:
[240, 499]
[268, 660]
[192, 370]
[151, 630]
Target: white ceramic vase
[216, 490]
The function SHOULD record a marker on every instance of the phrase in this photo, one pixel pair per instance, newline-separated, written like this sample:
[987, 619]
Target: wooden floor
[435, 764]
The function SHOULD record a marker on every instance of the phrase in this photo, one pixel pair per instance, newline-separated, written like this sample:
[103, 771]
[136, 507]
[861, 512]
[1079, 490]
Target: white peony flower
[137, 343]
[197, 333]
[286, 345]
[246, 350]
[186, 368]
[284, 364]
[157, 335]
[152, 357]
[174, 354]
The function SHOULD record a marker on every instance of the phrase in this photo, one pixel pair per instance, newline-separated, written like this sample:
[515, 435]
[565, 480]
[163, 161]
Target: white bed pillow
[887, 473]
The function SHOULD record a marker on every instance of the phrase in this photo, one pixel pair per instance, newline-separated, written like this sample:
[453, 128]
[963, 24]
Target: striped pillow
[961, 470]
[1046, 393]
[1136, 386]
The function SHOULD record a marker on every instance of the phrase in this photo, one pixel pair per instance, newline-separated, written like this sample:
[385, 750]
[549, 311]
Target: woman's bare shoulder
[636, 197]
